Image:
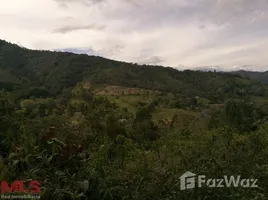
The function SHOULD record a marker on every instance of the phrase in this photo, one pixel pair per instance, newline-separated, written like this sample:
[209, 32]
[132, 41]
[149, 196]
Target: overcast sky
[230, 34]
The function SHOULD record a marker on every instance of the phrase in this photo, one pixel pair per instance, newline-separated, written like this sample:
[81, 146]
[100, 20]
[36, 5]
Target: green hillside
[9, 81]
[87, 127]
[56, 70]
[6, 77]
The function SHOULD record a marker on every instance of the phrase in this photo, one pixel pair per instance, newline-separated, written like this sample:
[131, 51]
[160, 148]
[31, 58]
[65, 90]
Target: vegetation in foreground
[79, 145]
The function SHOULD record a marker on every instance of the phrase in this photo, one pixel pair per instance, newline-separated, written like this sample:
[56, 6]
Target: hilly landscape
[50, 72]
[261, 76]
[88, 127]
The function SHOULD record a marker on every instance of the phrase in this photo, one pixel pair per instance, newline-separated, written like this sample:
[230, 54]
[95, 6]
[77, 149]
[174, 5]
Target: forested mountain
[49, 72]
[261, 76]
[86, 127]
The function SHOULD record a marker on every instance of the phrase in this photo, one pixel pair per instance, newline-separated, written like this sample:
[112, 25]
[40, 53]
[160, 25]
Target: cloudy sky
[228, 34]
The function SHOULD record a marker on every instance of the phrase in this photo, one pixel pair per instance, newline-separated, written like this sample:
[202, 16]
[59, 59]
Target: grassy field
[124, 98]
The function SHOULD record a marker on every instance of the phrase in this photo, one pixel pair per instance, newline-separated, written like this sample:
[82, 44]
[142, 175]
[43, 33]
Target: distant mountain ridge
[261, 76]
[47, 72]
[257, 75]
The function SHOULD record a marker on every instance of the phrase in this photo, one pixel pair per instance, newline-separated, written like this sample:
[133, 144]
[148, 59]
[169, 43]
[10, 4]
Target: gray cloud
[88, 51]
[111, 49]
[153, 60]
[67, 3]
[237, 11]
[155, 13]
[66, 29]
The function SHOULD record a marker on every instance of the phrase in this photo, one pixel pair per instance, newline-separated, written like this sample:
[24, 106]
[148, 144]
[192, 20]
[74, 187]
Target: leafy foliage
[84, 144]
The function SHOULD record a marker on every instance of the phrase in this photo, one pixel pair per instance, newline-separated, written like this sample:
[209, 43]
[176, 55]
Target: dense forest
[45, 73]
[91, 128]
